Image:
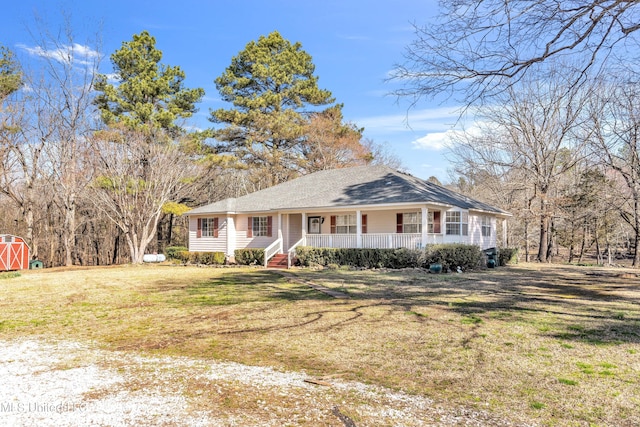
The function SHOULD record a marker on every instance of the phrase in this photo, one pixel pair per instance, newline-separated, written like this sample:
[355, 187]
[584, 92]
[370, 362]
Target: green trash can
[35, 264]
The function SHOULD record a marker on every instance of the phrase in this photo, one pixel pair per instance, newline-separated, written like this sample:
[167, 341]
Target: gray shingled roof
[356, 186]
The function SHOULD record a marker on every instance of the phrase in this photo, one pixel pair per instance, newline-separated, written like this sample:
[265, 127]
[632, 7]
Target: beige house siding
[475, 231]
[244, 242]
[208, 244]
[294, 230]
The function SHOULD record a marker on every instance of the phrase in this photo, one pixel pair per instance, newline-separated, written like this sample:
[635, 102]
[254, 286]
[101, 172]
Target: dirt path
[70, 384]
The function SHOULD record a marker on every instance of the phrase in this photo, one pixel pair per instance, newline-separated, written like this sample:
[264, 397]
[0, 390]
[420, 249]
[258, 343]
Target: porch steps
[278, 261]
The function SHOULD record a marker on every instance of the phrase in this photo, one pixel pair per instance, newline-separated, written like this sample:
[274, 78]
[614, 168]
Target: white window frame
[346, 224]
[207, 227]
[260, 226]
[412, 222]
[485, 226]
[457, 223]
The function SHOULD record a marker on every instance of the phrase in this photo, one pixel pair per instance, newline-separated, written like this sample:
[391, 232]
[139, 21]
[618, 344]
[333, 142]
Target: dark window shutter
[269, 226]
[215, 227]
[364, 224]
[436, 222]
[199, 230]
[250, 226]
[399, 223]
[333, 224]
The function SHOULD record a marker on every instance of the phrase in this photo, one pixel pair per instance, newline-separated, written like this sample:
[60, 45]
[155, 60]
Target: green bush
[508, 256]
[453, 255]
[363, 257]
[173, 251]
[206, 258]
[249, 256]
[183, 256]
[450, 256]
[209, 258]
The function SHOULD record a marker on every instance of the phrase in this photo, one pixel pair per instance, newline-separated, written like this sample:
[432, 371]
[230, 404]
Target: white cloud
[433, 141]
[441, 140]
[75, 53]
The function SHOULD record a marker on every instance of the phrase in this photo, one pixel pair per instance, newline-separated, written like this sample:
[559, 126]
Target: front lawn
[552, 345]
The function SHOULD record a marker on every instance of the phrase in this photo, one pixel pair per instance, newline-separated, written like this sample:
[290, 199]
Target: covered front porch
[402, 227]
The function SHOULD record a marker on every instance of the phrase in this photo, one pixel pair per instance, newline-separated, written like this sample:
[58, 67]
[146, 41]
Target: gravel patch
[48, 383]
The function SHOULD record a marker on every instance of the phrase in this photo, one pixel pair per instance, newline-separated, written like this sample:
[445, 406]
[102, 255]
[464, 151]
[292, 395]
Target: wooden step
[278, 261]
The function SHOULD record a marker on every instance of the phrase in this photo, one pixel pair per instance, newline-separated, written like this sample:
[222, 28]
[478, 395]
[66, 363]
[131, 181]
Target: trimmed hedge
[173, 251]
[453, 255]
[249, 256]
[206, 258]
[449, 255]
[508, 256]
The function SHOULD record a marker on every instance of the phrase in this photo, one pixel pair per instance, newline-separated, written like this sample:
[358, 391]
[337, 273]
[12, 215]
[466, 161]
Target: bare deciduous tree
[479, 47]
[134, 181]
[533, 129]
[615, 118]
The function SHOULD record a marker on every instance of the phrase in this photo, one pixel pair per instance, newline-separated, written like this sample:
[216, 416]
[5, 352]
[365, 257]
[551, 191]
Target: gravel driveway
[47, 383]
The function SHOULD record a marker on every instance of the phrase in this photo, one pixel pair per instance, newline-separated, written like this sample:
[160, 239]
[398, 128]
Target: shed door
[4, 256]
[14, 256]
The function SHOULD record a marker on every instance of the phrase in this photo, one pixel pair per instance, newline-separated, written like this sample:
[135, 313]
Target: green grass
[9, 275]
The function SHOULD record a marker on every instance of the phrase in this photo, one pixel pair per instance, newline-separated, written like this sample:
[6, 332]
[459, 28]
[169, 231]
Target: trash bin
[491, 254]
[35, 264]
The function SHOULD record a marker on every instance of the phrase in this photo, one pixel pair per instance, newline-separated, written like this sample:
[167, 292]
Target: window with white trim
[411, 222]
[346, 224]
[207, 227]
[457, 223]
[260, 226]
[485, 226]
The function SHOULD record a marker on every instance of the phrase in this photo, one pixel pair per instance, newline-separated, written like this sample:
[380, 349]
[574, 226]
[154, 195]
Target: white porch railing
[332, 240]
[272, 249]
[392, 240]
[369, 240]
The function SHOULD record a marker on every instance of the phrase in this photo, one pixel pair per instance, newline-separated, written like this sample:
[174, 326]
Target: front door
[314, 223]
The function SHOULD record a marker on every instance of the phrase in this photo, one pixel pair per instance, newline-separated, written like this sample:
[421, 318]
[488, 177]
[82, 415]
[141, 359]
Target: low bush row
[183, 255]
[249, 256]
[450, 256]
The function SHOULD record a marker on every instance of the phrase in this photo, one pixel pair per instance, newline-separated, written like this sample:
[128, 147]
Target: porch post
[358, 229]
[425, 216]
[304, 228]
[504, 233]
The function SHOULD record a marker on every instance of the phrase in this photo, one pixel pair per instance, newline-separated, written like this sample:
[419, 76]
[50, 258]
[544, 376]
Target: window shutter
[250, 226]
[269, 226]
[199, 229]
[436, 222]
[215, 227]
[364, 224]
[333, 224]
[399, 223]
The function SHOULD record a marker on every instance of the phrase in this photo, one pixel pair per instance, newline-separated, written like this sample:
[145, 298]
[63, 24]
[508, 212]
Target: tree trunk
[544, 236]
[584, 241]
[526, 240]
[636, 239]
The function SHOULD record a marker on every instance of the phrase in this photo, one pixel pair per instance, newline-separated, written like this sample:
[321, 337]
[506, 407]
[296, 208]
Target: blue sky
[354, 46]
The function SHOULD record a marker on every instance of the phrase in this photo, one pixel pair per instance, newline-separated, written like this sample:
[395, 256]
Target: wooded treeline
[97, 168]
[553, 92]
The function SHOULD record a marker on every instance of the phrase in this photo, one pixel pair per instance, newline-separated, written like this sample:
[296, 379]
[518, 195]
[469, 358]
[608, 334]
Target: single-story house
[357, 207]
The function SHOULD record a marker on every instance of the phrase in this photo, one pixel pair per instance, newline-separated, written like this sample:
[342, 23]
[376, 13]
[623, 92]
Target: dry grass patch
[554, 345]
